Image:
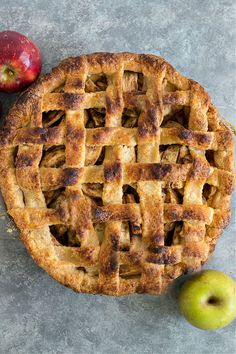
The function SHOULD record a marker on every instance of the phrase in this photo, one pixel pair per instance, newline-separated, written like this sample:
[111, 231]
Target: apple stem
[9, 72]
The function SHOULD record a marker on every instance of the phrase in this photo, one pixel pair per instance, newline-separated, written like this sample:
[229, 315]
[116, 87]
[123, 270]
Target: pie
[118, 172]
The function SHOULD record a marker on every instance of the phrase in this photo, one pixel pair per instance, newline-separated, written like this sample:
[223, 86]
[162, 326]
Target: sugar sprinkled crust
[123, 201]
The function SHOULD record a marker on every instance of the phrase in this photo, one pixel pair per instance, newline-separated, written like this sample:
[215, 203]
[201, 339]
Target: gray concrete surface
[37, 315]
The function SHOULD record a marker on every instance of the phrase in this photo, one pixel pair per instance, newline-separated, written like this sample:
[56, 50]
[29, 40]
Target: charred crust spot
[173, 214]
[158, 250]
[171, 98]
[113, 105]
[203, 139]
[24, 160]
[100, 134]
[227, 136]
[157, 238]
[161, 256]
[74, 135]
[135, 257]
[78, 61]
[176, 214]
[112, 171]
[152, 62]
[200, 169]
[151, 114]
[41, 132]
[79, 84]
[159, 171]
[106, 58]
[87, 253]
[70, 176]
[74, 196]
[164, 258]
[61, 212]
[168, 259]
[99, 214]
[188, 136]
[72, 101]
[191, 214]
[225, 139]
[148, 60]
[191, 252]
[53, 133]
[71, 64]
[144, 129]
[5, 136]
[114, 242]
[185, 134]
[34, 177]
[110, 265]
[34, 136]
[148, 126]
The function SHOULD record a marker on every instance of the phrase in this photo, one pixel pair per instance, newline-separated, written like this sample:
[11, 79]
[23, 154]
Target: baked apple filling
[53, 118]
[96, 82]
[130, 118]
[94, 117]
[134, 82]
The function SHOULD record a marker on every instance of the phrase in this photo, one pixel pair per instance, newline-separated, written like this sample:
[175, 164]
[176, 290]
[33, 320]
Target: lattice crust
[115, 168]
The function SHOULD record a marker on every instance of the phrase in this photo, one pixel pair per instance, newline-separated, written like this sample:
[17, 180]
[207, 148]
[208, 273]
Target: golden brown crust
[180, 189]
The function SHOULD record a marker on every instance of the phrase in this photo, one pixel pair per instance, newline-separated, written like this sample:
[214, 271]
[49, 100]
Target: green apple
[208, 300]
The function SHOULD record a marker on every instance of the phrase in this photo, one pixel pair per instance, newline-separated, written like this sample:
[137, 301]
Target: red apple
[20, 61]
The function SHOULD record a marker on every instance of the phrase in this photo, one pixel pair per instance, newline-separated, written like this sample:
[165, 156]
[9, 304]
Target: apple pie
[118, 172]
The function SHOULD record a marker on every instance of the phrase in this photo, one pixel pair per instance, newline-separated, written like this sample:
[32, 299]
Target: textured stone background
[37, 315]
